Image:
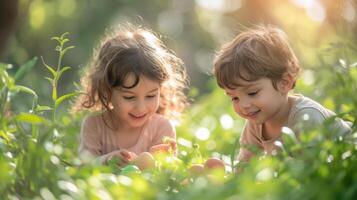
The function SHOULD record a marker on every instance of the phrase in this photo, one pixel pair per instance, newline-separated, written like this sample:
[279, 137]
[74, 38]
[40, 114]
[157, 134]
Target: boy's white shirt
[304, 114]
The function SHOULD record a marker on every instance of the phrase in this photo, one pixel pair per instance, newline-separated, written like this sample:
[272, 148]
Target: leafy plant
[38, 158]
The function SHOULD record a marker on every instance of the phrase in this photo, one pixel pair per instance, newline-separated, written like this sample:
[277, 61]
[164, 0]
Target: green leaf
[42, 108]
[64, 41]
[64, 97]
[61, 71]
[66, 49]
[25, 68]
[4, 135]
[8, 80]
[5, 66]
[30, 118]
[58, 39]
[63, 35]
[49, 79]
[58, 48]
[26, 90]
[53, 72]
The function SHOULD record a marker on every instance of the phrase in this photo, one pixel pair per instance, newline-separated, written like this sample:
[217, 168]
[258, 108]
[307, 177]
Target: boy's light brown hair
[260, 52]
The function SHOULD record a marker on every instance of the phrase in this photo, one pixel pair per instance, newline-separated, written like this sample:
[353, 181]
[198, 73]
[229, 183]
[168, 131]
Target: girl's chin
[136, 122]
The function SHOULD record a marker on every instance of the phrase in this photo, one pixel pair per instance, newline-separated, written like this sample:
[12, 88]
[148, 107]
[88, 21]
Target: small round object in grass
[196, 169]
[130, 169]
[214, 164]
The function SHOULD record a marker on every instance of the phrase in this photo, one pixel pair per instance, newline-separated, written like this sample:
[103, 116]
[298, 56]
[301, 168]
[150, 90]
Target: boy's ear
[286, 83]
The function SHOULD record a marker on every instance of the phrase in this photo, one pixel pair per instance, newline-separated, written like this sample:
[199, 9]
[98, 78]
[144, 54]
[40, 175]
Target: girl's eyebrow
[128, 91]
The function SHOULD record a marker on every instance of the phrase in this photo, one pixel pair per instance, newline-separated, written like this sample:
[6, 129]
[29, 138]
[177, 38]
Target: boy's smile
[258, 101]
[251, 115]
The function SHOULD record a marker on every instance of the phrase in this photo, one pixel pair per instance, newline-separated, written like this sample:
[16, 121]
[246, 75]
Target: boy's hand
[124, 157]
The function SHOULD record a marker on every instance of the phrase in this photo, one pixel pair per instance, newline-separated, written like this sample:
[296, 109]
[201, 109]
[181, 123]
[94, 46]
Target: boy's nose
[244, 105]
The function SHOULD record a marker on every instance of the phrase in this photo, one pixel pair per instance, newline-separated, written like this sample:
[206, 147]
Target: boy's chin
[256, 121]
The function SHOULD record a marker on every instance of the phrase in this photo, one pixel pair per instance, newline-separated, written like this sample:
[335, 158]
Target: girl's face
[134, 106]
[258, 101]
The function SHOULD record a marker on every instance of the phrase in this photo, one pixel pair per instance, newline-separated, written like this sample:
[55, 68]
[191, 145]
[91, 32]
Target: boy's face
[134, 106]
[257, 101]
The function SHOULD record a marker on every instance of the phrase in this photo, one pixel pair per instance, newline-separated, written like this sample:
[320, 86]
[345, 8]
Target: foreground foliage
[38, 157]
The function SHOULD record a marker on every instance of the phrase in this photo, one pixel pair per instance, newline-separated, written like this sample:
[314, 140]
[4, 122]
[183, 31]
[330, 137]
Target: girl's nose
[140, 105]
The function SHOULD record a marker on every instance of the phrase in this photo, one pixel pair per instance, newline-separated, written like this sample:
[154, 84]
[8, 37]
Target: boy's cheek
[239, 114]
[236, 110]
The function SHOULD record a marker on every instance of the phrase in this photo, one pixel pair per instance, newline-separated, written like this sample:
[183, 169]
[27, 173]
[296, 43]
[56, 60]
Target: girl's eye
[252, 93]
[128, 97]
[151, 96]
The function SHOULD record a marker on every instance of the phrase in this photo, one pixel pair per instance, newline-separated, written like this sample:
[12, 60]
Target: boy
[257, 70]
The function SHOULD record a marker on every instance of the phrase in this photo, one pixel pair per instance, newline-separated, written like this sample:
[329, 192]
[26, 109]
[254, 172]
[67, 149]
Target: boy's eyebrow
[249, 85]
[244, 87]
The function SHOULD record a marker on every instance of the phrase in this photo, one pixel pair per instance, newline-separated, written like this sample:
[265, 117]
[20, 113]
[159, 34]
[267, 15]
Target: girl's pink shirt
[97, 139]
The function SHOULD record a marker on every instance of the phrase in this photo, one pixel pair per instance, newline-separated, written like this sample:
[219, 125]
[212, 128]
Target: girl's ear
[286, 83]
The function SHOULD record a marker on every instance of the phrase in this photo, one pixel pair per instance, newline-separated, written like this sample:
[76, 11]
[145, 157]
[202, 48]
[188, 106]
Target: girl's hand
[171, 142]
[124, 157]
[168, 146]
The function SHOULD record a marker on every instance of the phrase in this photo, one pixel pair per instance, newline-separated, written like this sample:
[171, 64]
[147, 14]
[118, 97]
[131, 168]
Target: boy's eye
[235, 98]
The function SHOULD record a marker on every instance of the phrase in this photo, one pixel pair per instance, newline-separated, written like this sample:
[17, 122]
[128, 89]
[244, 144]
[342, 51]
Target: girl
[137, 85]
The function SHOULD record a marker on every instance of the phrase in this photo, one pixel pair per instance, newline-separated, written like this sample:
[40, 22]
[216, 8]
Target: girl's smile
[133, 106]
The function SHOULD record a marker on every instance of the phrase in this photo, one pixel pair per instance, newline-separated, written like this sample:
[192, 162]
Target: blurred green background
[322, 32]
[193, 29]
[44, 158]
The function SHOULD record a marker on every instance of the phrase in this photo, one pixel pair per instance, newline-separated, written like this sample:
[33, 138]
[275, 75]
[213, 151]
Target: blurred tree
[8, 14]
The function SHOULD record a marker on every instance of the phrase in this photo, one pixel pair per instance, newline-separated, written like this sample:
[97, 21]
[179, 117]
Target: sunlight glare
[303, 3]
[220, 5]
[308, 77]
[349, 12]
[265, 174]
[313, 8]
[226, 121]
[184, 142]
[316, 12]
[202, 133]
[125, 180]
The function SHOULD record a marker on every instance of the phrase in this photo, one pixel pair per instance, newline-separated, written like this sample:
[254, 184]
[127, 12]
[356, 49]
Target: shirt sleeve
[164, 128]
[248, 140]
[90, 144]
[310, 118]
[307, 118]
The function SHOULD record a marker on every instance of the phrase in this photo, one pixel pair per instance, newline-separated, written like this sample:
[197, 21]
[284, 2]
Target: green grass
[38, 149]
